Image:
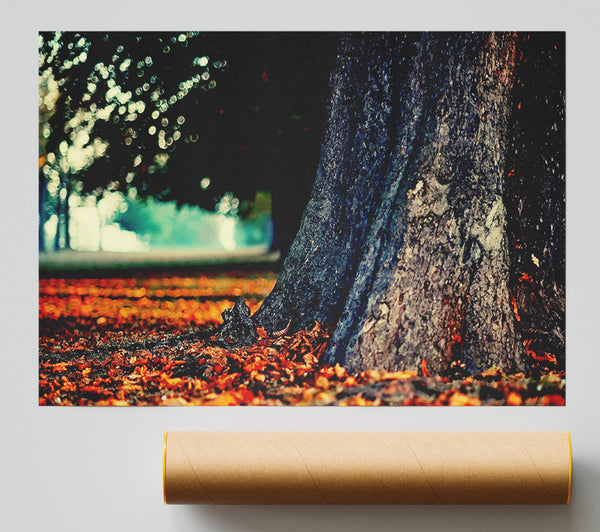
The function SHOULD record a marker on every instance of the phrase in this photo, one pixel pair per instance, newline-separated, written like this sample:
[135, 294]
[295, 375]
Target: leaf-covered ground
[146, 340]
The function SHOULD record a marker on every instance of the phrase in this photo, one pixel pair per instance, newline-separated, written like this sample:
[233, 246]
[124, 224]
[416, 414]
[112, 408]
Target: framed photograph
[302, 218]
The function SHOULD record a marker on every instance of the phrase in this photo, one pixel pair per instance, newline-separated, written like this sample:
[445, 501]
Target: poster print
[302, 218]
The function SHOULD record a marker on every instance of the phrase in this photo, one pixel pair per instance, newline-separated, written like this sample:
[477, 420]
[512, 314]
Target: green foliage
[164, 224]
[118, 98]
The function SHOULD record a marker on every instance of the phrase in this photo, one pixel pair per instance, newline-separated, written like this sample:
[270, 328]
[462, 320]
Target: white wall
[88, 469]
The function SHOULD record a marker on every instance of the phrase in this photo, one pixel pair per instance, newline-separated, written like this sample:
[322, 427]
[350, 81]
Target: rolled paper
[367, 467]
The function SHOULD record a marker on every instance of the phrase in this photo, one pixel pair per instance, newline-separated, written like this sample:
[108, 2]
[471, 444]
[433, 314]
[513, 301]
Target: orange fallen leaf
[554, 400]
[339, 371]
[224, 399]
[461, 399]
[424, 368]
[401, 374]
[514, 399]
[143, 353]
[322, 382]
[515, 308]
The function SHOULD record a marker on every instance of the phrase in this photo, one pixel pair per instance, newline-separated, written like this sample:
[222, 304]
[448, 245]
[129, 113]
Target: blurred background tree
[229, 122]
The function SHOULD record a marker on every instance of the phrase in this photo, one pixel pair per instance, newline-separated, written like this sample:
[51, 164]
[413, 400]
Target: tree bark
[403, 246]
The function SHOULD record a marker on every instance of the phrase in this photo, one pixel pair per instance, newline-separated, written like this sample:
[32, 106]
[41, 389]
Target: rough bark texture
[449, 282]
[357, 149]
[403, 247]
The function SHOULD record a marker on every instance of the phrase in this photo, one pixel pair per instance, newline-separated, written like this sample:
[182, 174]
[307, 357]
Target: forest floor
[144, 339]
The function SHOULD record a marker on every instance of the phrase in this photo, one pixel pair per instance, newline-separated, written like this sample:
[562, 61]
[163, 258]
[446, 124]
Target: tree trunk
[43, 218]
[403, 248]
[59, 223]
[63, 217]
[100, 225]
[67, 214]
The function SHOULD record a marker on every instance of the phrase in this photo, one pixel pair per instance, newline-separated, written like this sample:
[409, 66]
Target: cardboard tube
[367, 468]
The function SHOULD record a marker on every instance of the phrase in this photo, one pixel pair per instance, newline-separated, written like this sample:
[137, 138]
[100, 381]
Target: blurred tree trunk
[42, 215]
[59, 224]
[67, 214]
[62, 238]
[403, 248]
[100, 225]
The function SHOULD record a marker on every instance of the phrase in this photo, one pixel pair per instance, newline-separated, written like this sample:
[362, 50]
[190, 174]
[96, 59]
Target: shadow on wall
[381, 518]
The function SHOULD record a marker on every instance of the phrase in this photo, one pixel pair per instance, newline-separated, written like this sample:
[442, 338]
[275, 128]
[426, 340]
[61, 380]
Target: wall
[100, 468]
